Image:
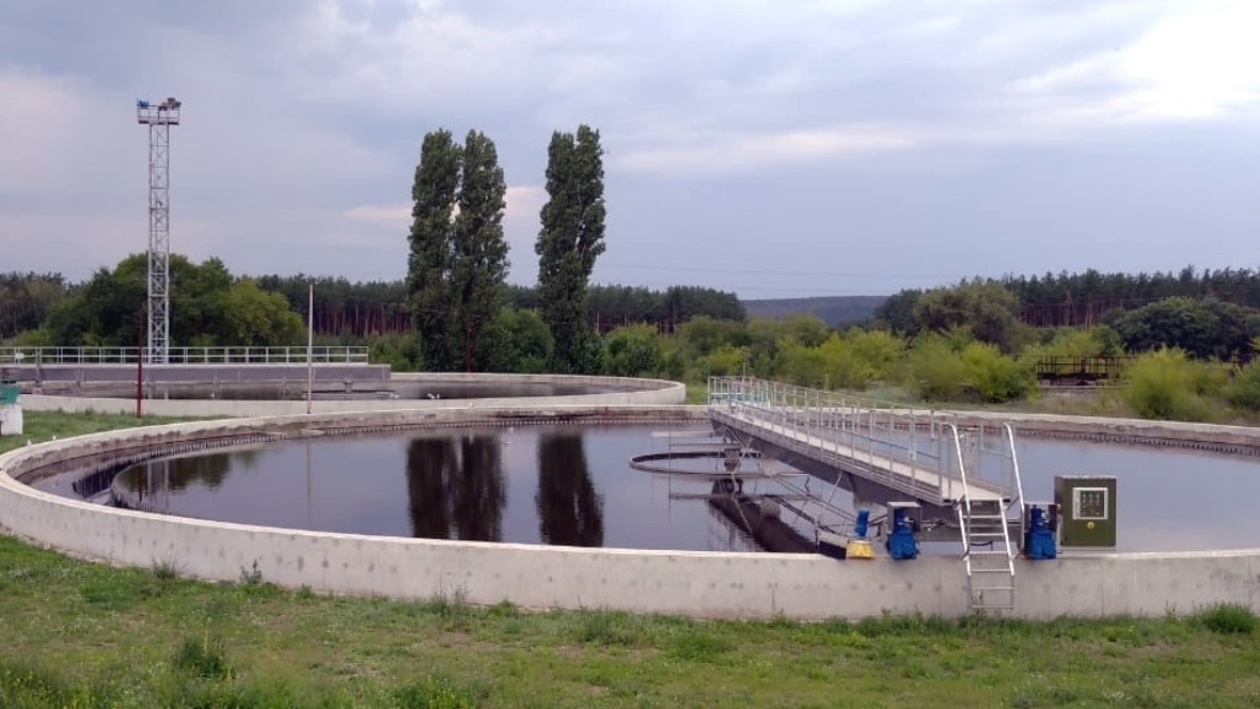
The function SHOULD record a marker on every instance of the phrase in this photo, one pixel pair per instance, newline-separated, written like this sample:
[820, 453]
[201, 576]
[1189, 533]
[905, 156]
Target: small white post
[310, 347]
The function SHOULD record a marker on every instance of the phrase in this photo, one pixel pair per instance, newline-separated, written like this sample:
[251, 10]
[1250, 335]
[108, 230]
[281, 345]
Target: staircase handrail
[963, 518]
[1019, 483]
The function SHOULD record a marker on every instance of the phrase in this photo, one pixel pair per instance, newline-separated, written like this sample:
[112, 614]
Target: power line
[773, 272]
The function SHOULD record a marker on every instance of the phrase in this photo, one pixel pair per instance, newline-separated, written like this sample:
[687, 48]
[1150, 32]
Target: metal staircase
[989, 532]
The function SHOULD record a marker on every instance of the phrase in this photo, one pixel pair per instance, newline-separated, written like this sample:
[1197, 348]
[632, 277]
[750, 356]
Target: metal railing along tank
[843, 428]
[333, 354]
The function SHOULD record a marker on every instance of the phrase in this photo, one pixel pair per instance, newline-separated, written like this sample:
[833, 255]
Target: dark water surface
[552, 485]
[573, 486]
[1167, 499]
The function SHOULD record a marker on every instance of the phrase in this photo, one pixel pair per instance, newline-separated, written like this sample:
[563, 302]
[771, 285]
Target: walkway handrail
[1019, 483]
[859, 409]
[962, 474]
[874, 433]
[324, 354]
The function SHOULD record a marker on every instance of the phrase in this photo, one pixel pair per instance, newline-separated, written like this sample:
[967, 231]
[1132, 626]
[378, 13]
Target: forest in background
[362, 309]
[1187, 341]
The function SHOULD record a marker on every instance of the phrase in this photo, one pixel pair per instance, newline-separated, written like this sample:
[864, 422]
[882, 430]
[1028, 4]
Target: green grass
[40, 426]
[697, 393]
[78, 634]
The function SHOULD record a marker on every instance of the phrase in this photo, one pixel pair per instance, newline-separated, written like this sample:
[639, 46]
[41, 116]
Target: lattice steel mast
[159, 119]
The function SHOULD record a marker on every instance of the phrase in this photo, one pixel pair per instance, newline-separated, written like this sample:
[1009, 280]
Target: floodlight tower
[159, 118]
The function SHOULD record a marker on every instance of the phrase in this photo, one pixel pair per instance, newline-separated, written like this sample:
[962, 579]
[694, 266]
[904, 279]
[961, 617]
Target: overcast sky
[771, 147]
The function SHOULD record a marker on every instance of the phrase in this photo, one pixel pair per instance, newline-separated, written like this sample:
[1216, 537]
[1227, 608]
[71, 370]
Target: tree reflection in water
[570, 511]
[456, 487]
[178, 474]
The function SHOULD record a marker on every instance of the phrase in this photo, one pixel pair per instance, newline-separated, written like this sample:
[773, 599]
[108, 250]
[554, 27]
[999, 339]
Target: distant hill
[835, 310]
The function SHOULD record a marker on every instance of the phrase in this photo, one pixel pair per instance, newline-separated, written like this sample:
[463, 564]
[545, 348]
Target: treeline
[26, 299]
[962, 343]
[1083, 299]
[44, 308]
[360, 309]
[357, 310]
[209, 306]
[344, 310]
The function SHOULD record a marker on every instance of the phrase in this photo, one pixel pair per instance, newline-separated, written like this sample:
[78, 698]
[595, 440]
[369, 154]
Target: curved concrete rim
[623, 391]
[726, 584]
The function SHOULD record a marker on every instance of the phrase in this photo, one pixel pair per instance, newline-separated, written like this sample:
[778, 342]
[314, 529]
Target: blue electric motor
[863, 520]
[1039, 535]
[901, 542]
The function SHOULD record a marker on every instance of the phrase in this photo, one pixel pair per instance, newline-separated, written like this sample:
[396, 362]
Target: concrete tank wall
[629, 391]
[11, 419]
[1237, 440]
[692, 583]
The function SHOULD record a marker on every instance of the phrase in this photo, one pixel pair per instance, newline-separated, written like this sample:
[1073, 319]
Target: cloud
[303, 119]
[430, 54]
[1191, 66]
[46, 121]
[723, 153]
[520, 225]
[393, 214]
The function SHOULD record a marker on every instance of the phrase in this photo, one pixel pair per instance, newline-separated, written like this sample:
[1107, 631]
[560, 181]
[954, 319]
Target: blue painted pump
[863, 520]
[1038, 537]
[901, 541]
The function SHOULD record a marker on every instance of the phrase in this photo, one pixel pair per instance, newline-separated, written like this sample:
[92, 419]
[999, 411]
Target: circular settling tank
[557, 484]
[573, 485]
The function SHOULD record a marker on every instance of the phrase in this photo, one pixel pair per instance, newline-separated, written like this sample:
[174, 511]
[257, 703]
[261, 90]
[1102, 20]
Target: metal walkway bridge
[954, 483]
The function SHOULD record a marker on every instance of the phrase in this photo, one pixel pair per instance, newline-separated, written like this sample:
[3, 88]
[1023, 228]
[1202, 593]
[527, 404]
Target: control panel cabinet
[1087, 511]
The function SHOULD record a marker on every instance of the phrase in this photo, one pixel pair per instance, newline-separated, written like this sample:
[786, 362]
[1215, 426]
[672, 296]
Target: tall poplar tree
[429, 286]
[571, 238]
[480, 265]
[458, 262]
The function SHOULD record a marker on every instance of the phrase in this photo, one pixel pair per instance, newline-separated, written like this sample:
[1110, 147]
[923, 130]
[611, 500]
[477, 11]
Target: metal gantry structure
[937, 477]
[159, 118]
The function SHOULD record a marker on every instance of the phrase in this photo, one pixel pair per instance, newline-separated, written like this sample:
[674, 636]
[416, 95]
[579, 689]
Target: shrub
[863, 357]
[1075, 343]
[1210, 379]
[995, 376]
[634, 351]
[799, 363]
[205, 658]
[937, 373]
[1163, 384]
[674, 364]
[401, 353]
[842, 367]
[1244, 391]
[1228, 619]
[522, 342]
[726, 360]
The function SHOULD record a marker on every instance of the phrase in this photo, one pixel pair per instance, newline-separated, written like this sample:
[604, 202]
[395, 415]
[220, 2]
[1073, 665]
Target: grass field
[81, 634]
[40, 426]
[78, 634]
